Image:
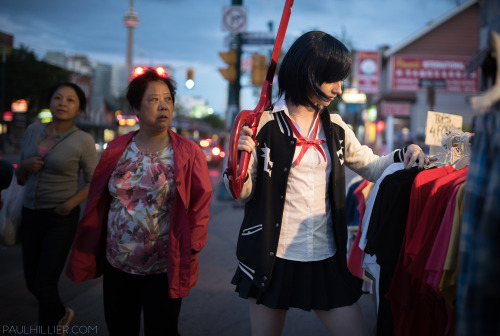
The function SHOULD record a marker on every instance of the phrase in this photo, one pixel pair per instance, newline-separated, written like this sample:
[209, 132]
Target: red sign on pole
[367, 66]
[449, 74]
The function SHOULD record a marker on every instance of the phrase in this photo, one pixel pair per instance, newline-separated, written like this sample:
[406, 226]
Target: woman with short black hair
[292, 243]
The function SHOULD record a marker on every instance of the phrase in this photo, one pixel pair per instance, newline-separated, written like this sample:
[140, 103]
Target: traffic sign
[234, 19]
[256, 39]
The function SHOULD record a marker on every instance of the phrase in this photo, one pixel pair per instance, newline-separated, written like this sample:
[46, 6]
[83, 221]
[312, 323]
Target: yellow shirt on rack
[447, 285]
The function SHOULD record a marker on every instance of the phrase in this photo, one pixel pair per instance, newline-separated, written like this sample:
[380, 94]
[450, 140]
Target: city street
[212, 308]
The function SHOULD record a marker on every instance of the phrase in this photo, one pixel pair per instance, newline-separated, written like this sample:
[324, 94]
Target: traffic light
[138, 70]
[189, 78]
[259, 69]
[229, 73]
[161, 71]
[379, 126]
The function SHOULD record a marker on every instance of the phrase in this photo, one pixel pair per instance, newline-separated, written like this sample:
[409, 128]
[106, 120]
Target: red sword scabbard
[236, 174]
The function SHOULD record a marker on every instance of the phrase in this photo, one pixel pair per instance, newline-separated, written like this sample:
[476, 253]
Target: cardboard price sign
[437, 124]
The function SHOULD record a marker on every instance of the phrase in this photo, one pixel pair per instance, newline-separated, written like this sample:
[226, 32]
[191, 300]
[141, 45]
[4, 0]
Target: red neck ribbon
[301, 141]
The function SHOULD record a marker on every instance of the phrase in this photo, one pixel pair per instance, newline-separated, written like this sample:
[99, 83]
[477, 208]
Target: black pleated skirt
[315, 285]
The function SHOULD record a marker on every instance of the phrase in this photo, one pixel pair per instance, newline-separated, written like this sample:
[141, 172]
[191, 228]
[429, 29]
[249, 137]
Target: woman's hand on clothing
[78, 198]
[30, 165]
[415, 154]
[62, 210]
[33, 164]
[246, 143]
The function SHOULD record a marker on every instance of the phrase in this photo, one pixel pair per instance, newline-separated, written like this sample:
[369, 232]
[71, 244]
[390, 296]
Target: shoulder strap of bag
[57, 143]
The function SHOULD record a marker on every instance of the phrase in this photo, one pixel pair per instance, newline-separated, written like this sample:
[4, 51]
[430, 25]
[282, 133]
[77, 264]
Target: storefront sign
[367, 71]
[8, 116]
[19, 106]
[445, 74]
[396, 109]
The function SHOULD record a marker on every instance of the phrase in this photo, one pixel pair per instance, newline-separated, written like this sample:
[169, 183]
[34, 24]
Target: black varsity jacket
[265, 190]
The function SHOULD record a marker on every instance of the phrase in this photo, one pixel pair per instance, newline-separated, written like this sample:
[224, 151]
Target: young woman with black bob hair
[292, 243]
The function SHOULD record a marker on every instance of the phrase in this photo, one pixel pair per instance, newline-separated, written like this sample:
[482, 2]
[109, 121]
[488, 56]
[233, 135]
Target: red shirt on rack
[421, 243]
[430, 305]
[401, 294]
[356, 254]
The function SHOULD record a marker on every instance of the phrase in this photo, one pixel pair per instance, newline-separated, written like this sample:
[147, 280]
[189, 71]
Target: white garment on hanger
[369, 262]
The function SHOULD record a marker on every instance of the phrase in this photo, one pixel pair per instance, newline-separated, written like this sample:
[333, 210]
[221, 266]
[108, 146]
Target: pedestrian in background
[146, 217]
[2, 143]
[6, 173]
[53, 158]
[293, 240]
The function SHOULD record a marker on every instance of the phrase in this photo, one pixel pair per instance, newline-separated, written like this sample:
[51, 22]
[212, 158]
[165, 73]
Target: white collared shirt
[306, 230]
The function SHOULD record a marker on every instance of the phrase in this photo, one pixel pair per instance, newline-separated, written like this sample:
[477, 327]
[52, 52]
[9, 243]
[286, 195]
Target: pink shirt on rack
[435, 262]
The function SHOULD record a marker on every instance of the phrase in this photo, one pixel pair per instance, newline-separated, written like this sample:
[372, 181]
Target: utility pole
[233, 102]
[234, 87]
[4, 76]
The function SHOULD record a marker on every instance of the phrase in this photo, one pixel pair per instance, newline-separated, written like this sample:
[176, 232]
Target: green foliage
[179, 110]
[31, 79]
[214, 120]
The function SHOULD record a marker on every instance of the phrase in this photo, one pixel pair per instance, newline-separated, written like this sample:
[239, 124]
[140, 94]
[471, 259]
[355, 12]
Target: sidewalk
[212, 308]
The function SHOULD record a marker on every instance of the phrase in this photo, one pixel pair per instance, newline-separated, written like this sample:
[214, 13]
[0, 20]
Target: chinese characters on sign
[446, 74]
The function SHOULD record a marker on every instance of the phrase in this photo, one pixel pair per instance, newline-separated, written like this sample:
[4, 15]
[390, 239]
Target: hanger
[466, 150]
[452, 153]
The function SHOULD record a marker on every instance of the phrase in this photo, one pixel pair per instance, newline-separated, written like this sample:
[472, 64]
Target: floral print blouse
[141, 187]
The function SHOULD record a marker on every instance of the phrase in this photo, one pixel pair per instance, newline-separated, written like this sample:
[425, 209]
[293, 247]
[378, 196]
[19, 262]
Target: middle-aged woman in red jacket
[146, 217]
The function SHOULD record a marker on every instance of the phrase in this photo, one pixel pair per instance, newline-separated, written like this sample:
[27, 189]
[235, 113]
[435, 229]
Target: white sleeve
[360, 158]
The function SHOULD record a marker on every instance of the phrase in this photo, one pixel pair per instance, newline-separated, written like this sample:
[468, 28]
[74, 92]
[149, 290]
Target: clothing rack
[456, 143]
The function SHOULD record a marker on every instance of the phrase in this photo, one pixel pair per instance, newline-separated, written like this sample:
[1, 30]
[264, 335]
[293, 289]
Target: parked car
[213, 152]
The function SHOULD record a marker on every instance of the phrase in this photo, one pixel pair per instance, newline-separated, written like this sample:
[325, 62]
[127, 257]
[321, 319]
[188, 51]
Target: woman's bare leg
[344, 321]
[265, 321]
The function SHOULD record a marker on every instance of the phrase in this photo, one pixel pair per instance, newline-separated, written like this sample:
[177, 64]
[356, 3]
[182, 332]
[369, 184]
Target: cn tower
[131, 21]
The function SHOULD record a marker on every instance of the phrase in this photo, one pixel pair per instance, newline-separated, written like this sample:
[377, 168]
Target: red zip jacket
[188, 221]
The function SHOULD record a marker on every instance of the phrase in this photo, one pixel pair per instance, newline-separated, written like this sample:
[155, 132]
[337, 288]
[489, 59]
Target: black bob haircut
[138, 85]
[314, 58]
[78, 90]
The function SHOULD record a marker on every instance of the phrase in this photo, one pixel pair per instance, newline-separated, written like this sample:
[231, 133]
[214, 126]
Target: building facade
[428, 72]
